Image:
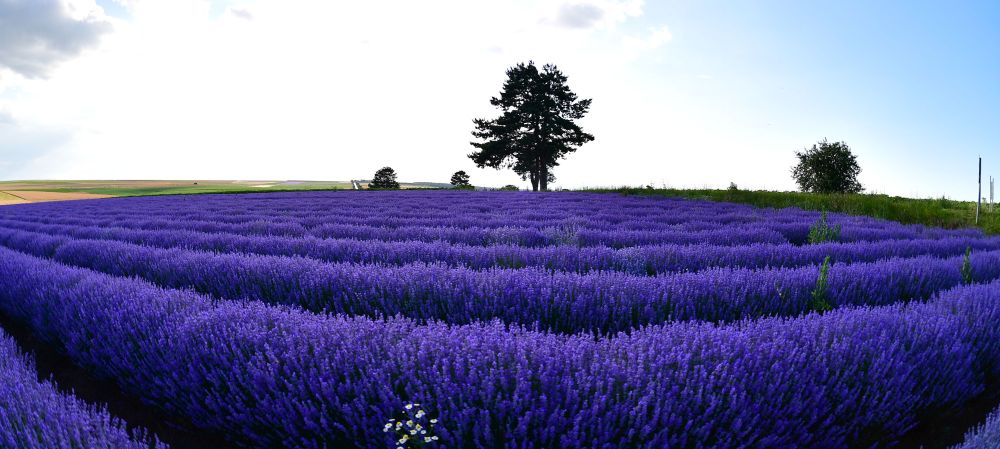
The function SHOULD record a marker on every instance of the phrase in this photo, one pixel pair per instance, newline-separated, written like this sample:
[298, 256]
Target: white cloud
[37, 35]
[592, 14]
[311, 90]
[579, 15]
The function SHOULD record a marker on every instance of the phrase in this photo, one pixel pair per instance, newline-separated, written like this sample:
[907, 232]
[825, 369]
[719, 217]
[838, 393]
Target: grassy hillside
[933, 212]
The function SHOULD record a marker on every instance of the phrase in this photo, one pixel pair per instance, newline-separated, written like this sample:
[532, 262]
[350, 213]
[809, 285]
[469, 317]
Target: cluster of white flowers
[410, 429]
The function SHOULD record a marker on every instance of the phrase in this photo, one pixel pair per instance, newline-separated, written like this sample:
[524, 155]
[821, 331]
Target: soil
[32, 196]
[52, 365]
[949, 428]
[6, 198]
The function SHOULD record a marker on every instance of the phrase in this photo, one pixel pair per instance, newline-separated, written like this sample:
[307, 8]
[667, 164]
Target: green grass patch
[939, 212]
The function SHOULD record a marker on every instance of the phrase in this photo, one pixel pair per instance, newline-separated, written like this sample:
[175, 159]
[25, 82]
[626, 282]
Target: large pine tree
[536, 126]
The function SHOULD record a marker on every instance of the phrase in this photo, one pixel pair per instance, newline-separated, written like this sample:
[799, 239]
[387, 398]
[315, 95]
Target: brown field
[100, 184]
[6, 198]
[15, 192]
[32, 196]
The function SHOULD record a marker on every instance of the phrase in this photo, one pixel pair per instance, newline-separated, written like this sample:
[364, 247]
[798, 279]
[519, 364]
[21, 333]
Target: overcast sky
[685, 93]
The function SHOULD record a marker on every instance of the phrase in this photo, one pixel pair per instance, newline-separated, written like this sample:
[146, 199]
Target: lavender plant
[564, 320]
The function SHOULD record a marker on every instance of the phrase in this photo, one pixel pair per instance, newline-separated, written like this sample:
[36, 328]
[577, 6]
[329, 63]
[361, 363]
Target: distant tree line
[385, 179]
[537, 128]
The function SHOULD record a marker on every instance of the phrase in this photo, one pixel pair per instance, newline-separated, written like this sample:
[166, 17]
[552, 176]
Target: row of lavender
[473, 209]
[439, 284]
[649, 260]
[483, 225]
[464, 298]
[796, 233]
[546, 222]
[274, 377]
[530, 237]
[521, 215]
[465, 209]
[599, 302]
[34, 415]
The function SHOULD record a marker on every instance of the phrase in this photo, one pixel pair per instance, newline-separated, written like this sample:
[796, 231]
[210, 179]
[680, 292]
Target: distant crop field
[35, 196]
[17, 192]
[161, 187]
[505, 319]
[14, 192]
[6, 198]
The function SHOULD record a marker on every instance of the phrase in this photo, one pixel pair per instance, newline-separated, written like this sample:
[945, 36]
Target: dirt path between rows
[948, 428]
[52, 365]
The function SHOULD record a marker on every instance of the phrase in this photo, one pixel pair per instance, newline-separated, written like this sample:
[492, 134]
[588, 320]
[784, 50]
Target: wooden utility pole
[979, 193]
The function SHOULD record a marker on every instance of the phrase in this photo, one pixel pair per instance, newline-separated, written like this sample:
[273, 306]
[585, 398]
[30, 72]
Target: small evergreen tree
[827, 168]
[385, 179]
[460, 180]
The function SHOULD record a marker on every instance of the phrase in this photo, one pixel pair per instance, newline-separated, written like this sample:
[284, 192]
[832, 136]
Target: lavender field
[514, 320]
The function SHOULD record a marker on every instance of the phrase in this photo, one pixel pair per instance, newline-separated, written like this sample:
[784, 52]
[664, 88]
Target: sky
[685, 93]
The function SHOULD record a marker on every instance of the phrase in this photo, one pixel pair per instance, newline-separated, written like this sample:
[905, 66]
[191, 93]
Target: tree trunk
[543, 176]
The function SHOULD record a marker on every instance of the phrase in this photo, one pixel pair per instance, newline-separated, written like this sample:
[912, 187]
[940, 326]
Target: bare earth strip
[46, 185]
[30, 196]
[6, 198]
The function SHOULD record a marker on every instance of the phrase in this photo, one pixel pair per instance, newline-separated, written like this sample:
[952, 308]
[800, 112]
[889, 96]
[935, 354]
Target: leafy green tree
[460, 179]
[536, 126]
[827, 168]
[385, 179]
[509, 188]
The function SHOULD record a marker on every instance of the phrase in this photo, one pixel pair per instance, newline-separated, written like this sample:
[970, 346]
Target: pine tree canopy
[536, 127]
